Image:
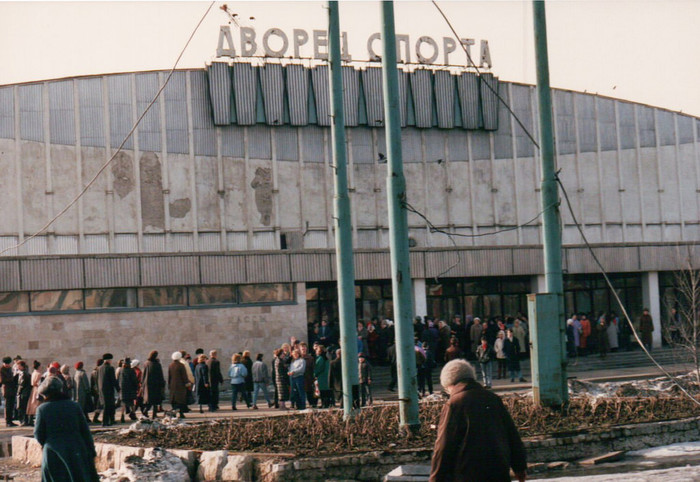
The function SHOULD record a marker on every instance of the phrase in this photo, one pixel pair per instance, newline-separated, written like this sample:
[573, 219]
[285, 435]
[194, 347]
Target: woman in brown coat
[178, 384]
[152, 384]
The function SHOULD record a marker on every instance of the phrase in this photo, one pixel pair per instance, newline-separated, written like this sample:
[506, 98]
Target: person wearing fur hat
[178, 384]
[106, 385]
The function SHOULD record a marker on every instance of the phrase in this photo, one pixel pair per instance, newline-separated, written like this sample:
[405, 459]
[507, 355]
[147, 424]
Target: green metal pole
[398, 229]
[343, 225]
[552, 385]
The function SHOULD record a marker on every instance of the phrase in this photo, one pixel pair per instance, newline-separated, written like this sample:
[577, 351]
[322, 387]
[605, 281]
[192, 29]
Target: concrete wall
[182, 185]
[72, 337]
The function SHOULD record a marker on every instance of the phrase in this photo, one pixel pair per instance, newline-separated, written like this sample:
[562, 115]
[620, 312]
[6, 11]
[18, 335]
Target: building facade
[212, 226]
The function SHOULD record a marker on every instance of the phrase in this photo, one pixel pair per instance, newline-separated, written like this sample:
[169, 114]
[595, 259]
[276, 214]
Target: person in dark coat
[511, 349]
[81, 390]
[9, 390]
[178, 384]
[95, 391]
[248, 363]
[106, 385]
[24, 390]
[128, 387]
[477, 439]
[646, 327]
[279, 370]
[309, 387]
[335, 377]
[201, 382]
[63, 432]
[152, 384]
[215, 379]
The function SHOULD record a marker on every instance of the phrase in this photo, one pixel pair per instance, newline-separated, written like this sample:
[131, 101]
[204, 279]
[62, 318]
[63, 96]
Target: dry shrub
[376, 428]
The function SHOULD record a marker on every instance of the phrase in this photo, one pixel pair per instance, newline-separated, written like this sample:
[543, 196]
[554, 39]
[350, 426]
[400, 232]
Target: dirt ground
[18, 472]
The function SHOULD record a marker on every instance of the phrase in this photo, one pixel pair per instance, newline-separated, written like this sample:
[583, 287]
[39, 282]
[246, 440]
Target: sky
[639, 50]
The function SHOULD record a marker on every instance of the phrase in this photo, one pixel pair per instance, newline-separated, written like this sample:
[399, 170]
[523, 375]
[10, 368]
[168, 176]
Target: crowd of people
[604, 333]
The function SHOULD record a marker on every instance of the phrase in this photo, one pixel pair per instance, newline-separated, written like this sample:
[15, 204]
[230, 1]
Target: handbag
[317, 391]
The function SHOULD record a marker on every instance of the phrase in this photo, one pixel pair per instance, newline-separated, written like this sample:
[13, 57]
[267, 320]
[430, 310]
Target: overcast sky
[644, 51]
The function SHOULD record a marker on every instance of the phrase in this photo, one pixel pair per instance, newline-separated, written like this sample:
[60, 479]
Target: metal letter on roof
[245, 92]
[422, 88]
[301, 37]
[374, 96]
[469, 100]
[448, 46]
[319, 79]
[445, 99]
[272, 82]
[298, 94]
[433, 44]
[485, 57]
[225, 36]
[248, 43]
[489, 101]
[371, 54]
[321, 40]
[351, 96]
[219, 74]
[269, 51]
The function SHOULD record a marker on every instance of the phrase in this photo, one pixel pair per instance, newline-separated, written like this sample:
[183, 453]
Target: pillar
[652, 300]
[420, 301]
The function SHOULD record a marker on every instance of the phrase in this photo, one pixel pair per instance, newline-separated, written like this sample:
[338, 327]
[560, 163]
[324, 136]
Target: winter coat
[308, 373]
[178, 383]
[128, 384]
[321, 371]
[335, 375]
[484, 355]
[69, 451]
[82, 390]
[237, 372]
[106, 385]
[215, 376]
[201, 383]
[249, 373]
[34, 401]
[365, 371]
[477, 439]
[152, 383]
[260, 373]
[279, 369]
[511, 348]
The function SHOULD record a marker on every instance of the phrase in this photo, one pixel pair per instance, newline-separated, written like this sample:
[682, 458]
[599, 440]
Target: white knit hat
[176, 356]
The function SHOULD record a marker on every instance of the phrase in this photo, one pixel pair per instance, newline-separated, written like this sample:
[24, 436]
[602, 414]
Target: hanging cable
[121, 146]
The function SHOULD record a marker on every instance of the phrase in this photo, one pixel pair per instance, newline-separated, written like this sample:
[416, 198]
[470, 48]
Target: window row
[133, 298]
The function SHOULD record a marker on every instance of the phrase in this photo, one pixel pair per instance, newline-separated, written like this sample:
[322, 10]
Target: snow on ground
[674, 450]
[634, 388]
[679, 474]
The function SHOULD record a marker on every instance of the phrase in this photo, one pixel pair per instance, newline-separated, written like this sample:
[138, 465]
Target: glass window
[110, 298]
[492, 305]
[14, 302]
[372, 292]
[266, 293]
[513, 303]
[387, 291]
[212, 295]
[516, 286]
[57, 300]
[473, 288]
[311, 293]
[358, 292]
[434, 290]
[472, 306]
[165, 296]
[329, 292]
[313, 314]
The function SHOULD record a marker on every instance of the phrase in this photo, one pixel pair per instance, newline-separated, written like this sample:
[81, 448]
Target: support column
[652, 300]
[538, 284]
[420, 301]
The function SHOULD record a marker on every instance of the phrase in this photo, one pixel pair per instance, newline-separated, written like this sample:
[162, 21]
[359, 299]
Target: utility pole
[547, 310]
[398, 229]
[343, 225]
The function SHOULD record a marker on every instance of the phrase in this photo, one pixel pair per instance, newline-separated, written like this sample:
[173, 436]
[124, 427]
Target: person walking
[24, 390]
[81, 384]
[500, 354]
[106, 386]
[335, 377]
[476, 437]
[247, 360]
[511, 348]
[178, 384]
[237, 373]
[215, 378]
[296, 377]
[365, 371]
[485, 355]
[202, 385]
[261, 378]
[34, 401]
[152, 384]
[9, 390]
[128, 387]
[646, 327]
[279, 371]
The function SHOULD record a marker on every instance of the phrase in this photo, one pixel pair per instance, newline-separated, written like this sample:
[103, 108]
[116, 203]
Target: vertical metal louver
[245, 92]
[92, 120]
[219, 74]
[61, 114]
[272, 82]
[403, 97]
[489, 101]
[319, 78]
[31, 111]
[445, 99]
[468, 91]
[374, 96]
[298, 94]
[422, 90]
[351, 96]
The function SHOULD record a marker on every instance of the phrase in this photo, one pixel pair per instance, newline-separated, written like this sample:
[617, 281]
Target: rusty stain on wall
[262, 183]
[180, 207]
[123, 172]
[152, 203]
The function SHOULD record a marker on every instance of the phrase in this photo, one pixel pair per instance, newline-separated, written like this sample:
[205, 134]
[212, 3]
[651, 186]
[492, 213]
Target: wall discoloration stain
[152, 203]
[123, 173]
[262, 183]
[180, 207]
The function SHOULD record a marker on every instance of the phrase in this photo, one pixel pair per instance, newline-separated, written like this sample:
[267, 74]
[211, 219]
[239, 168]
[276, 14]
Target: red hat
[55, 365]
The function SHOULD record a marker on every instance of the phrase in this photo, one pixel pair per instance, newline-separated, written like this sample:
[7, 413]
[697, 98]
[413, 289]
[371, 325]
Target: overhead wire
[121, 146]
[571, 211]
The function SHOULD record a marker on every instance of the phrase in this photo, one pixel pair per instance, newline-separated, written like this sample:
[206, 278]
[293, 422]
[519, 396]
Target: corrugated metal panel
[170, 271]
[206, 242]
[9, 276]
[372, 266]
[361, 145]
[38, 246]
[264, 240]
[236, 241]
[298, 94]
[219, 74]
[268, 268]
[667, 127]
[585, 111]
[149, 128]
[51, 274]
[417, 260]
[312, 144]
[120, 114]
[8, 242]
[111, 272]
[245, 93]
[685, 127]
[503, 138]
[489, 86]
[202, 118]
[374, 96]
[175, 95]
[351, 96]
[259, 142]
[403, 96]
[7, 113]
[95, 244]
[316, 240]
[422, 90]
[607, 126]
[614, 259]
[92, 116]
[528, 261]
[469, 100]
[182, 243]
[366, 239]
[445, 99]
[319, 80]
[217, 270]
[647, 126]
[272, 81]
[153, 243]
[126, 243]
[61, 115]
[286, 143]
[523, 109]
[310, 266]
[65, 245]
[628, 127]
[31, 123]
[565, 135]
[233, 141]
